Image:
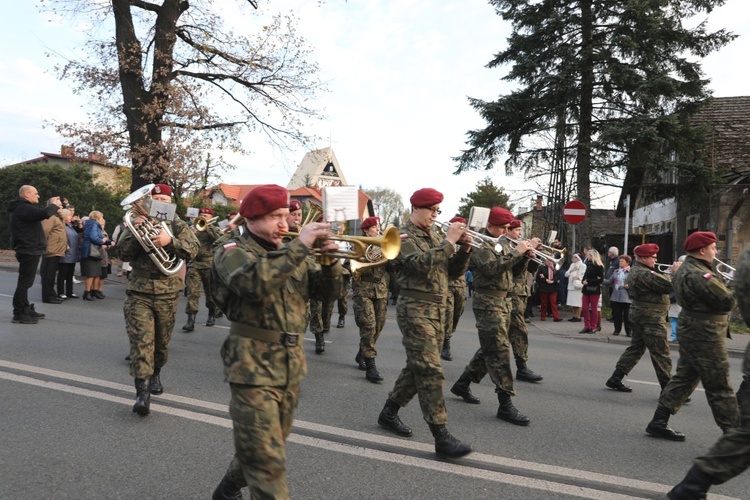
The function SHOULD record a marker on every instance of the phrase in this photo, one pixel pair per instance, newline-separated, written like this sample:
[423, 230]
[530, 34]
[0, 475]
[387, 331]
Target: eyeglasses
[434, 210]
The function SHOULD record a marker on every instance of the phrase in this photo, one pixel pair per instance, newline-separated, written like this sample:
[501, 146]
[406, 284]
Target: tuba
[138, 204]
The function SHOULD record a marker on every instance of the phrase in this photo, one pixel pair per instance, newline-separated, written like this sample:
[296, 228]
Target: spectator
[620, 299]
[575, 284]
[91, 267]
[592, 290]
[123, 269]
[674, 309]
[29, 242]
[105, 264]
[469, 283]
[67, 264]
[613, 264]
[547, 281]
[57, 243]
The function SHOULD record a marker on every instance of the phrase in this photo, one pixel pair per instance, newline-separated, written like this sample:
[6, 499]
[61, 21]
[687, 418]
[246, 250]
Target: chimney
[67, 151]
[98, 158]
[538, 202]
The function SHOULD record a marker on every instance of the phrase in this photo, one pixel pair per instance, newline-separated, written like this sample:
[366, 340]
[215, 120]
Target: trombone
[726, 271]
[202, 224]
[389, 243]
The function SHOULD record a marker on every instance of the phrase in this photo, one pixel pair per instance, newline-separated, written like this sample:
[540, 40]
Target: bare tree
[388, 205]
[172, 83]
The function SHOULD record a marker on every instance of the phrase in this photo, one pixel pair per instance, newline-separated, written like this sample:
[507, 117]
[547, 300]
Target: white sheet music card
[552, 237]
[340, 203]
[223, 223]
[191, 212]
[162, 210]
[478, 217]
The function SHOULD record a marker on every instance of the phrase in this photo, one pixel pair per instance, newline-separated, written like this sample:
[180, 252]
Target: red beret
[369, 222]
[426, 197]
[646, 250]
[294, 205]
[514, 224]
[263, 200]
[698, 240]
[161, 189]
[500, 216]
[458, 219]
[206, 210]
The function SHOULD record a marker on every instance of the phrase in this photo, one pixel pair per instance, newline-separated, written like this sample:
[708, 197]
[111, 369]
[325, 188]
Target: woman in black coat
[592, 291]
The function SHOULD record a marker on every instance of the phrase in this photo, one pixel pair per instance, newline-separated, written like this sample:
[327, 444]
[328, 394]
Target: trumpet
[202, 224]
[389, 243]
[663, 268]
[477, 238]
[726, 271]
[236, 221]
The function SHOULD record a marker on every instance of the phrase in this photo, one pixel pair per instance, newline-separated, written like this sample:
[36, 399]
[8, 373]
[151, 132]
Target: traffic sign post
[574, 212]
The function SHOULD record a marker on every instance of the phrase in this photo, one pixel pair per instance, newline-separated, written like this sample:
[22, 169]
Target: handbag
[591, 289]
[95, 252]
[578, 284]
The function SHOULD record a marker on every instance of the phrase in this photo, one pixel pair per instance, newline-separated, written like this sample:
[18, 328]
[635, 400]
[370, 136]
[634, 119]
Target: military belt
[370, 279]
[649, 305]
[494, 293]
[703, 315]
[272, 336]
[142, 273]
[415, 294]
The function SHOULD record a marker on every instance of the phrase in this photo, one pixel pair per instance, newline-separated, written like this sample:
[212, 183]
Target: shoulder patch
[708, 276]
[229, 245]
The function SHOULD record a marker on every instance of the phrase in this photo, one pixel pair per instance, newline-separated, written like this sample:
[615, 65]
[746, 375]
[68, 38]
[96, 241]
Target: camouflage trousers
[195, 279]
[704, 359]
[343, 301]
[455, 307]
[262, 420]
[518, 333]
[369, 314]
[423, 376]
[149, 321]
[648, 333]
[730, 456]
[493, 356]
[320, 315]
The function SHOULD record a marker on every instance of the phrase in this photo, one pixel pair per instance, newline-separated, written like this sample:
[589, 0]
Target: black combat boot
[615, 381]
[462, 390]
[506, 411]
[446, 352]
[372, 372]
[30, 311]
[155, 387]
[695, 485]
[211, 321]
[24, 318]
[523, 372]
[320, 343]
[360, 360]
[446, 446]
[341, 322]
[190, 325]
[227, 490]
[142, 397]
[658, 426]
[388, 419]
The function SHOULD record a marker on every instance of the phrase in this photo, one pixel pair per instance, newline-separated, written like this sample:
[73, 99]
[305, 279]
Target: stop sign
[574, 212]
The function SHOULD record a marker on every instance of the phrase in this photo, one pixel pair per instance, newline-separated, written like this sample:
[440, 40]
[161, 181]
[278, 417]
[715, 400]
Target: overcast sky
[398, 74]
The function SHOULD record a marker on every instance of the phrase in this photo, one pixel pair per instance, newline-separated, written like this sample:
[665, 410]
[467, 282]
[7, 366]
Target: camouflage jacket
[371, 282]
[520, 273]
[699, 289]
[426, 262]
[205, 253]
[493, 270]
[649, 290]
[268, 290]
[184, 246]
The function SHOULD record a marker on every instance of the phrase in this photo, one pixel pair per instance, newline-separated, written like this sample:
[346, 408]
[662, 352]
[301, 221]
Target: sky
[398, 74]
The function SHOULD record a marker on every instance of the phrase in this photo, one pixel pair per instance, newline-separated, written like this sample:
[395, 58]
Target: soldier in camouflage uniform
[518, 333]
[151, 303]
[493, 280]
[455, 306]
[199, 273]
[424, 266]
[370, 299]
[649, 291]
[262, 285]
[702, 325]
[730, 456]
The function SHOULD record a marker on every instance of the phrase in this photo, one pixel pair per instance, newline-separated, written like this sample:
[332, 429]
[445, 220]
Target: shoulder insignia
[708, 276]
[229, 245]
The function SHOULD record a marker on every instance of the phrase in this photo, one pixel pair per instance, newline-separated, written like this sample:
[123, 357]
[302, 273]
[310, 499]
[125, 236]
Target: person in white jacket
[575, 274]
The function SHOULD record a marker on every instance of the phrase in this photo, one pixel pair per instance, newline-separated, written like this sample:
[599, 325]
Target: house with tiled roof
[668, 221]
[103, 171]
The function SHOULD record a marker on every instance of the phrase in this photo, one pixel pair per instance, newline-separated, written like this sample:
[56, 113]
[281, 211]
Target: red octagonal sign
[574, 212]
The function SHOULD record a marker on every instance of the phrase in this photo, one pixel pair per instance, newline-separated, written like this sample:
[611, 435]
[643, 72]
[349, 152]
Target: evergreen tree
[604, 84]
[486, 195]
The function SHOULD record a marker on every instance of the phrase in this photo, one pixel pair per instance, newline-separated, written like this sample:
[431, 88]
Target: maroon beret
[646, 250]
[698, 240]
[426, 197]
[294, 205]
[206, 210]
[369, 222]
[500, 216]
[458, 219]
[263, 200]
[161, 189]
[514, 224]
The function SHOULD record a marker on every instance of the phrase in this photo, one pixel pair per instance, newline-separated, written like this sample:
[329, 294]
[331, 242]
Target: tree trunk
[585, 129]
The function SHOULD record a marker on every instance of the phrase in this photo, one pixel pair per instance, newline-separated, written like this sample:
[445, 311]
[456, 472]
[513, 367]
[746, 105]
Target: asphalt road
[67, 430]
